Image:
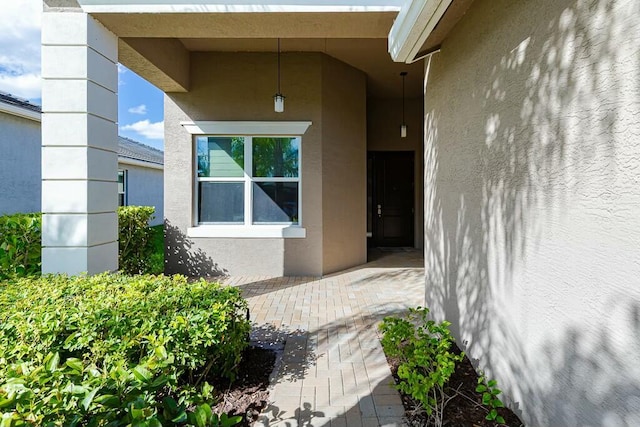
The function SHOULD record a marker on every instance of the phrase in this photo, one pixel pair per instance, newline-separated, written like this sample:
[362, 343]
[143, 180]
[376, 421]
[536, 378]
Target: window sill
[248, 232]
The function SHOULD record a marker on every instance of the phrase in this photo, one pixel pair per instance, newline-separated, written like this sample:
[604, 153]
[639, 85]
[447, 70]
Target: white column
[79, 145]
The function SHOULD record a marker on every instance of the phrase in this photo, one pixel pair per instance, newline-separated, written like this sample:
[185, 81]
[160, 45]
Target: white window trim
[247, 230]
[219, 128]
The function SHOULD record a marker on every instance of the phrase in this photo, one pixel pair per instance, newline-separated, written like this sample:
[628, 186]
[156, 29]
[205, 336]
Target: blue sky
[140, 105]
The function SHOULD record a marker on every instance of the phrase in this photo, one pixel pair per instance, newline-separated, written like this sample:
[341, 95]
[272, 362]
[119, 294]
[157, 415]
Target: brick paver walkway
[332, 370]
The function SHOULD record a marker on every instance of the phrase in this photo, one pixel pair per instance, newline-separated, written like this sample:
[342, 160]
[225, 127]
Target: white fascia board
[238, 6]
[25, 113]
[414, 23]
[140, 163]
[245, 128]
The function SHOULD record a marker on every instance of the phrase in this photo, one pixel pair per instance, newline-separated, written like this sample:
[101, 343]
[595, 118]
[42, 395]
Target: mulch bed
[465, 409]
[248, 395]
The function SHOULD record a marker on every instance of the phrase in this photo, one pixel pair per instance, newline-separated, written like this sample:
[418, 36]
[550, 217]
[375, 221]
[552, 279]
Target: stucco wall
[20, 160]
[344, 185]
[240, 86]
[384, 117]
[145, 188]
[532, 210]
[227, 86]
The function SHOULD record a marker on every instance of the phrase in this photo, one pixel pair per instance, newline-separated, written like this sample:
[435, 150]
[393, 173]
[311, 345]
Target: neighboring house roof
[19, 107]
[133, 150]
[129, 151]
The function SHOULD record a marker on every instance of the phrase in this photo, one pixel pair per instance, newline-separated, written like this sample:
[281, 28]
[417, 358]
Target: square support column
[79, 144]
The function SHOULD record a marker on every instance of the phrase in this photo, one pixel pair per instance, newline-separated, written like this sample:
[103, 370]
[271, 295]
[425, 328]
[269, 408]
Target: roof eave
[141, 163]
[230, 6]
[15, 110]
[416, 20]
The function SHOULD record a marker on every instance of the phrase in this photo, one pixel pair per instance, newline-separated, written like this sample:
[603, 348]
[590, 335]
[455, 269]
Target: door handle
[379, 211]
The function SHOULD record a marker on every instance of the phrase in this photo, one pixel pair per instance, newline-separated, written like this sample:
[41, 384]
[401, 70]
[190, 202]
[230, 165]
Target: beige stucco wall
[344, 185]
[532, 210]
[384, 117]
[240, 86]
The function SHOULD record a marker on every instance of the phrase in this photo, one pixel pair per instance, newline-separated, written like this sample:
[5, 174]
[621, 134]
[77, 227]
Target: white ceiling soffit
[238, 6]
[414, 23]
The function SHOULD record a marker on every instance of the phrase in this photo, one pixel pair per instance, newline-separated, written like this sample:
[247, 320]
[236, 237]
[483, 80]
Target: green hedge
[20, 245]
[135, 239]
[111, 350]
[21, 237]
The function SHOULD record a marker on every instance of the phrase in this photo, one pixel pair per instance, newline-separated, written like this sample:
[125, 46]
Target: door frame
[373, 189]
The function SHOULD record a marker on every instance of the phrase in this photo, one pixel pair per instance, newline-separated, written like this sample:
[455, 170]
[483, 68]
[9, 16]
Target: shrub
[21, 237]
[111, 350]
[426, 362]
[20, 245]
[135, 239]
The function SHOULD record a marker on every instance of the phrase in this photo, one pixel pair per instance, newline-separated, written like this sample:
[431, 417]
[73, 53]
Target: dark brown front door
[392, 198]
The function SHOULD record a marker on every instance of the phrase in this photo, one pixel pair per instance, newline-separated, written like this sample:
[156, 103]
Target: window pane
[275, 202]
[275, 157]
[120, 181]
[220, 156]
[221, 202]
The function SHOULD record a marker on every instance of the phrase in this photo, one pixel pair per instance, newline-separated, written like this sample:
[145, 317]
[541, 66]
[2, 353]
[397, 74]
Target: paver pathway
[332, 370]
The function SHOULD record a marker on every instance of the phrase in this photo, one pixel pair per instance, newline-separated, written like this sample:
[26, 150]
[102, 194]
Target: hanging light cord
[278, 65]
[403, 74]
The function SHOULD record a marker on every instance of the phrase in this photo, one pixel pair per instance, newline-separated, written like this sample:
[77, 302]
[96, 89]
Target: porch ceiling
[367, 55]
[356, 38]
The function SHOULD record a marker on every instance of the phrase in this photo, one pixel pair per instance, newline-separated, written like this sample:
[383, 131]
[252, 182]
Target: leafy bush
[135, 239]
[140, 246]
[426, 362]
[20, 245]
[112, 350]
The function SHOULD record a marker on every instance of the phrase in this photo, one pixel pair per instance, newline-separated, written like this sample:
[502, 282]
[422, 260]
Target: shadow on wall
[181, 257]
[537, 119]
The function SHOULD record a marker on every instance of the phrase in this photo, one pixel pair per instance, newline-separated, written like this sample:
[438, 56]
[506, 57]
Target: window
[248, 180]
[122, 188]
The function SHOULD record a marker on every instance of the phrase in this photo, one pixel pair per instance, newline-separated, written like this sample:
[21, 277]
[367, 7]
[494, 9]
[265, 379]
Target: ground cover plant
[437, 382]
[112, 350]
[156, 259]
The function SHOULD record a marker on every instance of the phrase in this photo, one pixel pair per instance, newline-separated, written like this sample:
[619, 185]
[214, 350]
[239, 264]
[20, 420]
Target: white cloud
[140, 109]
[146, 129]
[20, 48]
[121, 72]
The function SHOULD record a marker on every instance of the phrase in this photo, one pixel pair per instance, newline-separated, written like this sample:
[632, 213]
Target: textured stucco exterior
[145, 187]
[384, 117]
[344, 166]
[532, 203]
[19, 164]
[239, 87]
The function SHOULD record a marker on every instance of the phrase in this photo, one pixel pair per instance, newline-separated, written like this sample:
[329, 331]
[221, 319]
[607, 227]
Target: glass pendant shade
[278, 103]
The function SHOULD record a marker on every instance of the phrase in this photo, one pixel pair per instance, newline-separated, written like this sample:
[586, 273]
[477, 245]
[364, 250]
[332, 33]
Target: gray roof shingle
[135, 150]
[18, 102]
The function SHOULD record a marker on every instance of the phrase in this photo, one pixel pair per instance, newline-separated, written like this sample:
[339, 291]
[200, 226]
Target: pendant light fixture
[403, 126]
[278, 98]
